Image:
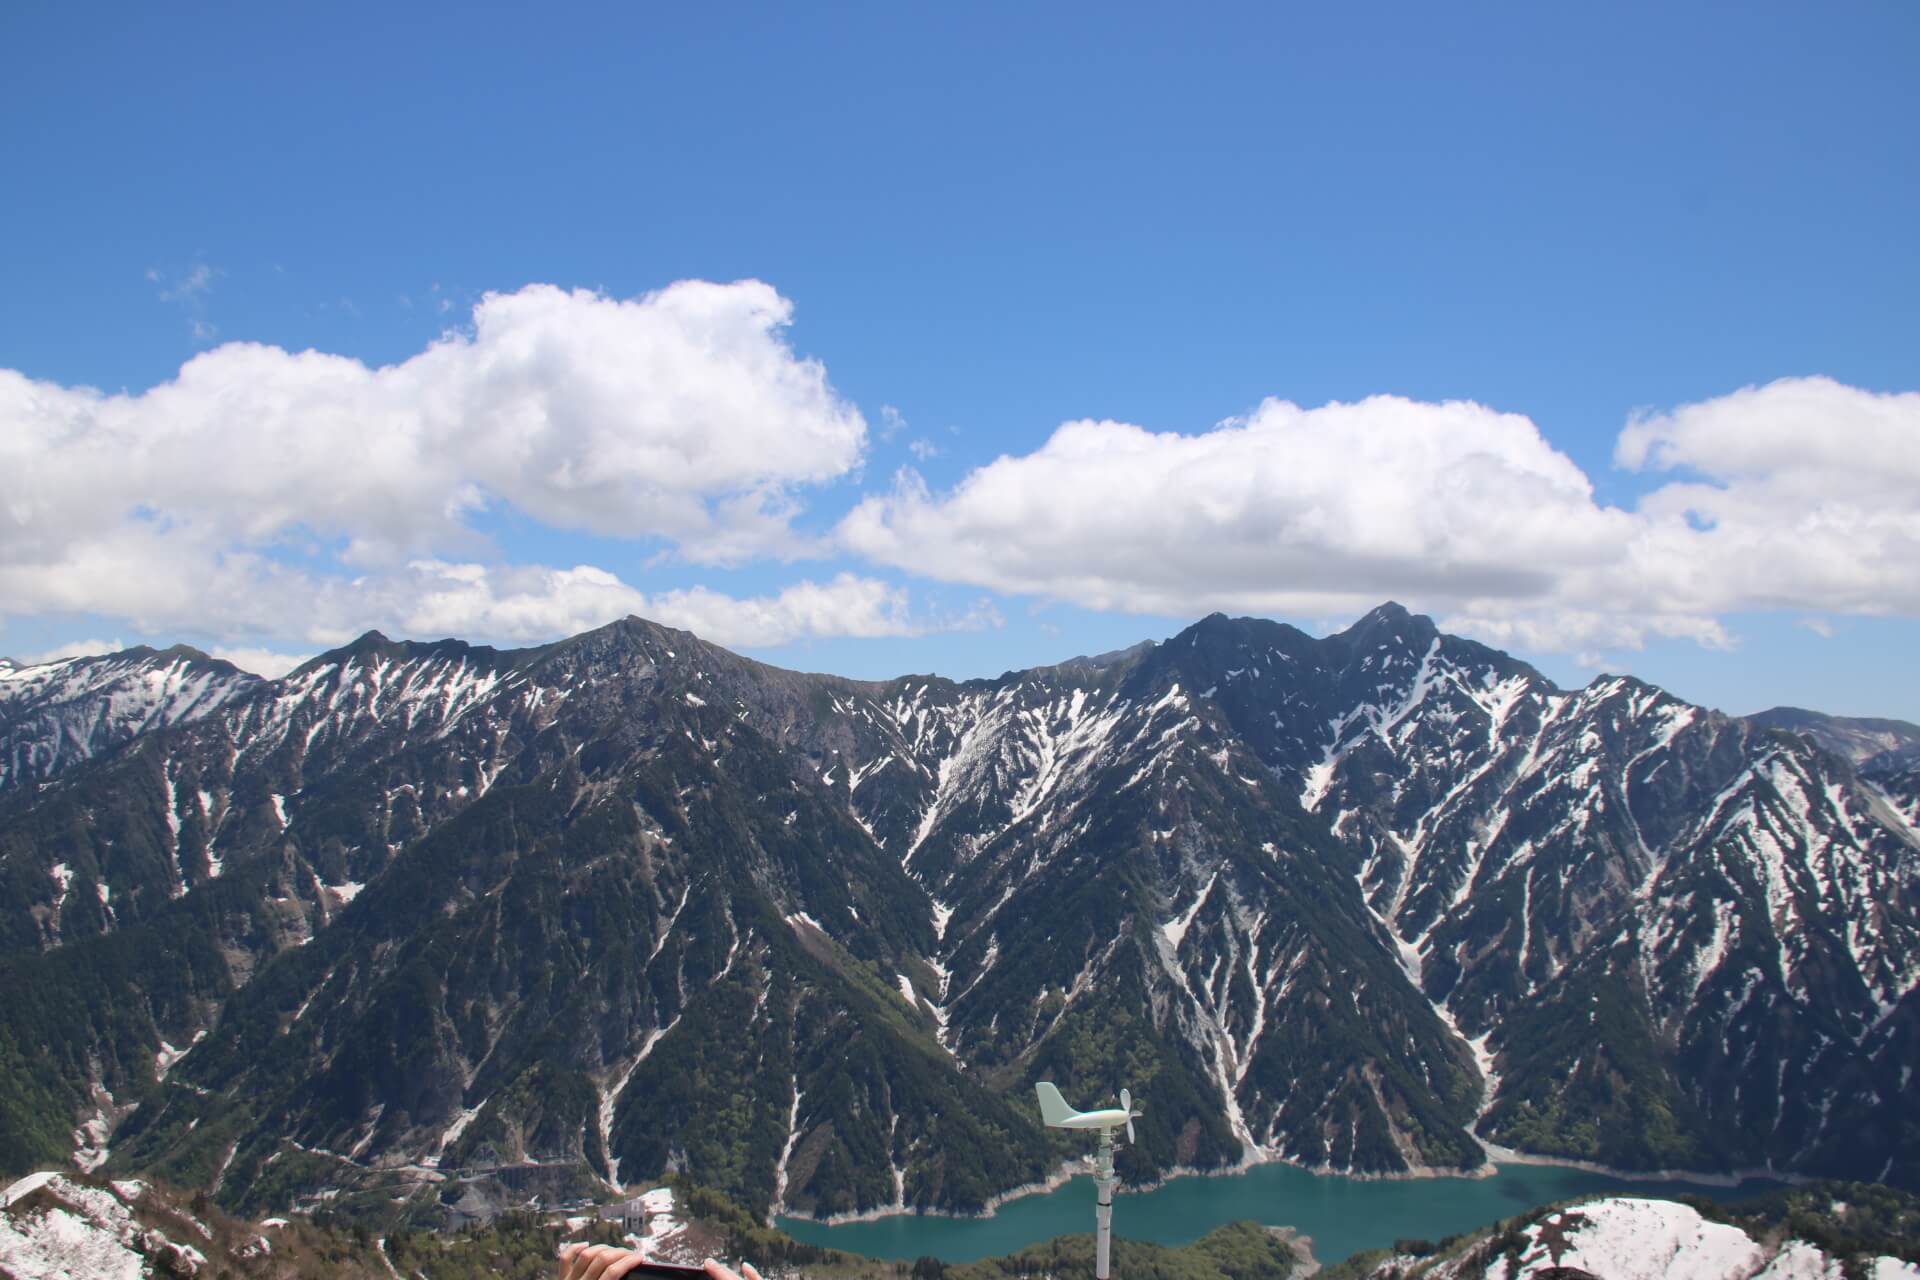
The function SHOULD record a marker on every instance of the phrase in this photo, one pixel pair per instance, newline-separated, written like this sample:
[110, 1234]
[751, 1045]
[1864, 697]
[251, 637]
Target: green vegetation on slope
[1237, 1251]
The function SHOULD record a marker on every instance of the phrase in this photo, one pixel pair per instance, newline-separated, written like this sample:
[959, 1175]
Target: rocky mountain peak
[1389, 624]
[1108, 660]
[176, 653]
[375, 647]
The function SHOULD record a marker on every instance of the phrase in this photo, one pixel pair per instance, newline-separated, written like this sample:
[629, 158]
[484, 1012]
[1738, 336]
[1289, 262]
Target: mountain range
[418, 919]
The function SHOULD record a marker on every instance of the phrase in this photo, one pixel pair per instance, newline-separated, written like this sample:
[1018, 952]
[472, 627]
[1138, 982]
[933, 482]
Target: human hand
[581, 1261]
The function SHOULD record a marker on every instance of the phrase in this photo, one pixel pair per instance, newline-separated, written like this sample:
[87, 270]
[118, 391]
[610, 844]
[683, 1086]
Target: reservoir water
[1342, 1215]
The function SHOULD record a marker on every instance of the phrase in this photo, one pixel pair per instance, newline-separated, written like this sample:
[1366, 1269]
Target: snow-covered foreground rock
[1622, 1238]
[1642, 1238]
[55, 1228]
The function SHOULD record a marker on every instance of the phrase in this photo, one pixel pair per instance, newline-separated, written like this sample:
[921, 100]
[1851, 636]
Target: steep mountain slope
[1896, 781]
[630, 903]
[1676, 931]
[57, 714]
[543, 802]
[1132, 892]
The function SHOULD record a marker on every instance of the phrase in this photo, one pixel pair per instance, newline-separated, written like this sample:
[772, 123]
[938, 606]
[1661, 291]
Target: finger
[718, 1270]
[570, 1264]
[604, 1256]
[620, 1266]
[751, 1274]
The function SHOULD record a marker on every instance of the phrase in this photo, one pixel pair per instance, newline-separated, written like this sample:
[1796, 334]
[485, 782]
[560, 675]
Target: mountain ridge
[1356, 902]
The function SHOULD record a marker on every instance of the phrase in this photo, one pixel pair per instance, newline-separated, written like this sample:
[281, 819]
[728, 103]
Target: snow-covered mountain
[630, 902]
[57, 714]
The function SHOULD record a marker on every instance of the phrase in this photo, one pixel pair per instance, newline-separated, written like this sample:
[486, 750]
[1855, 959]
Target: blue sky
[972, 226]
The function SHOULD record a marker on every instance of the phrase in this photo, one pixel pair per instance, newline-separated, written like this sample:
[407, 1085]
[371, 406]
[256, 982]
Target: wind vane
[1058, 1115]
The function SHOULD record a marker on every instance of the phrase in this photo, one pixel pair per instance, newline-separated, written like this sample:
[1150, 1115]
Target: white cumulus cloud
[1804, 494]
[682, 414]
[270, 493]
[1288, 510]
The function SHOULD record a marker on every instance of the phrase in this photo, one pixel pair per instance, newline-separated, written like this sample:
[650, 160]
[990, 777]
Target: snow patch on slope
[1175, 930]
[786, 1152]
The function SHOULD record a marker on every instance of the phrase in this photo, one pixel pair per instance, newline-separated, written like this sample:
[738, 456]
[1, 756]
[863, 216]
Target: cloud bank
[264, 492]
[283, 501]
[1803, 494]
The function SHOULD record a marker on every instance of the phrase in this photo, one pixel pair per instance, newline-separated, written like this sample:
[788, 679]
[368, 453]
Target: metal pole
[1103, 1182]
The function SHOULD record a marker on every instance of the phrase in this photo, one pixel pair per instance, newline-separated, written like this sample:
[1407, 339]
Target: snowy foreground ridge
[1631, 1239]
[52, 1227]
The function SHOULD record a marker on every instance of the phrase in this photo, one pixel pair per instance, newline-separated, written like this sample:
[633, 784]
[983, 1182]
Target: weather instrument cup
[1058, 1115]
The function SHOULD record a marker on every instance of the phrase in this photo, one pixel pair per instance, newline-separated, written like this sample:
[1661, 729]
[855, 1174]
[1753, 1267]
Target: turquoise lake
[1341, 1215]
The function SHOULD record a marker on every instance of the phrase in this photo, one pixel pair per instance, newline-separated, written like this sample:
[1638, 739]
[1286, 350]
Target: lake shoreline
[1066, 1173]
[1508, 1156]
[1340, 1214]
[1497, 1156]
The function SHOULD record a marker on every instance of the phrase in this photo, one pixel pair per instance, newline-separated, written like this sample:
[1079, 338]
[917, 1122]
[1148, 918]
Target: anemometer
[1058, 1115]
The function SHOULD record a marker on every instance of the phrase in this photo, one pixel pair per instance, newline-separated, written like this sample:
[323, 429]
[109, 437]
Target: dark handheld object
[665, 1269]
